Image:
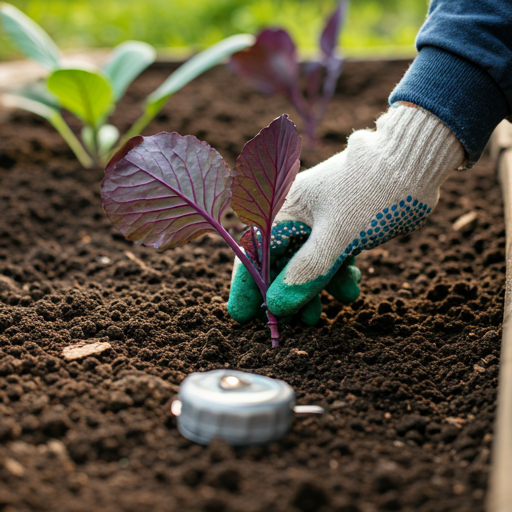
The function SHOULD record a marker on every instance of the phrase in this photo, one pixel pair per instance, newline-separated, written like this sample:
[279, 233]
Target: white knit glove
[385, 184]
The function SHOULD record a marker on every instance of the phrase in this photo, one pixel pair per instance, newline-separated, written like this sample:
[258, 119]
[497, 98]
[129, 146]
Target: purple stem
[261, 282]
[298, 102]
[333, 70]
[241, 255]
[310, 129]
[265, 271]
[274, 333]
[307, 114]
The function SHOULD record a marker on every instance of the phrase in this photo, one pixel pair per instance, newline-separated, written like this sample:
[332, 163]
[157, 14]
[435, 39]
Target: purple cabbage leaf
[252, 246]
[166, 190]
[331, 60]
[331, 32]
[265, 171]
[271, 66]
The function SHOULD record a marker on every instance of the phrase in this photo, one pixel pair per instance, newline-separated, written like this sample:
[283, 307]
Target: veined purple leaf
[331, 32]
[270, 64]
[331, 59]
[166, 189]
[249, 241]
[266, 169]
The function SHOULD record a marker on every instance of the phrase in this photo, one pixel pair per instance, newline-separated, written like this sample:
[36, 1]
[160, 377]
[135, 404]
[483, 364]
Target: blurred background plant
[373, 28]
[90, 93]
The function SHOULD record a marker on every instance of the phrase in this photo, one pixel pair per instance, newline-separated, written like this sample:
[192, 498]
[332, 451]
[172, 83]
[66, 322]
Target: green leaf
[38, 92]
[54, 117]
[128, 60]
[84, 93]
[30, 38]
[185, 74]
[196, 66]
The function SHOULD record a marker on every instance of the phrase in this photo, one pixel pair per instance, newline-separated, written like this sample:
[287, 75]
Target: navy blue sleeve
[463, 71]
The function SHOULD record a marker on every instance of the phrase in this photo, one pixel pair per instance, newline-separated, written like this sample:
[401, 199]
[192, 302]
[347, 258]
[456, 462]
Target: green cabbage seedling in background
[91, 94]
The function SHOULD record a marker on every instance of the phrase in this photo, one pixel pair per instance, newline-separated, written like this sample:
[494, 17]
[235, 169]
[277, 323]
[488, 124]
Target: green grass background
[373, 27]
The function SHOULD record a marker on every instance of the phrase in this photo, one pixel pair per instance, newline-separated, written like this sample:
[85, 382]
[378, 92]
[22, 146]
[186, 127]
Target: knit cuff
[418, 146]
[462, 95]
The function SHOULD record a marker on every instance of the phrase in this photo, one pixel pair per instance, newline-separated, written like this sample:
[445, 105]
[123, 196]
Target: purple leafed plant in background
[271, 66]
[166, 190]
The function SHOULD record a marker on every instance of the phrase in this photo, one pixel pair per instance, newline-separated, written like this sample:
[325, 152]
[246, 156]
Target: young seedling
[271, 66]
[168, 189]
[91, 94]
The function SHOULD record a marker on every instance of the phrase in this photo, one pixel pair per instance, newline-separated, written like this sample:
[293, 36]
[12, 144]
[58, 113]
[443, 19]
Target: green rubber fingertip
[344, 284]
[350, 292]
[284, 299]
[343, 287]
[310, 313]
[285, 320]
[350, 261]
[245, 298]
[355, 273]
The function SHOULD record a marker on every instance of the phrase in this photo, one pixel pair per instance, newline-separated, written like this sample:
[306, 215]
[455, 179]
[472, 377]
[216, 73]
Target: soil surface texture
[408, 372]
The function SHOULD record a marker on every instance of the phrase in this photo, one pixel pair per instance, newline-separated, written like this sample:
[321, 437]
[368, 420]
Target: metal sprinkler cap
[241, 408]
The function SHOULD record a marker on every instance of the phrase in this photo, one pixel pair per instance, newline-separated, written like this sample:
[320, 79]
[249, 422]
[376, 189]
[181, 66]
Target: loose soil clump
[96, 335]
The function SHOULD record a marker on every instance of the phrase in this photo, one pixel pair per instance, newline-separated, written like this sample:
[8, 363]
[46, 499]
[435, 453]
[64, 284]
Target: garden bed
[408, 372]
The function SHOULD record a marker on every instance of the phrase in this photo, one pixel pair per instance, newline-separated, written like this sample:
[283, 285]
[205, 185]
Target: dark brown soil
[408, 372]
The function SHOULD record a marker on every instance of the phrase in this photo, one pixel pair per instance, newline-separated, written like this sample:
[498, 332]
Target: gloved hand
[385, 184]
[245, 298]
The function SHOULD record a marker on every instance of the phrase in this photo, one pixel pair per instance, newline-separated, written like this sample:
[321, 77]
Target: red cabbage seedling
[271, 66]
[168, 189]
[91, 94]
